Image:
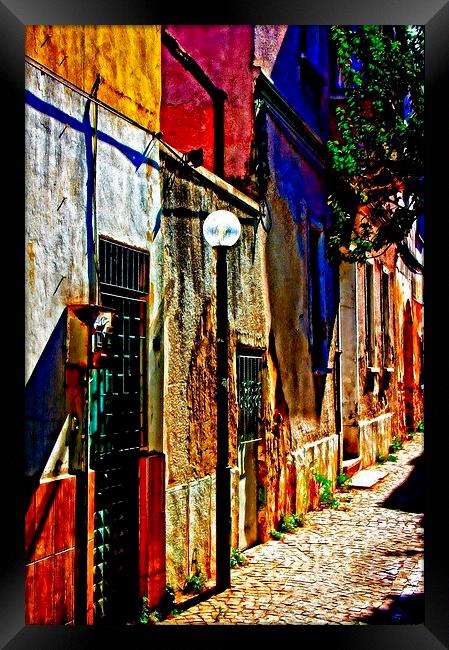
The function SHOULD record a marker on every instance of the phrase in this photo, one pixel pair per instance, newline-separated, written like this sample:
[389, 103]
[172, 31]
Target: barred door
[117, 395]
[249, 394]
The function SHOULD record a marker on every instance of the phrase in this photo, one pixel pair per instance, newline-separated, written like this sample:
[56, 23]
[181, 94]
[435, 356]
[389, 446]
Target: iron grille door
[117, 421]
[249, 394]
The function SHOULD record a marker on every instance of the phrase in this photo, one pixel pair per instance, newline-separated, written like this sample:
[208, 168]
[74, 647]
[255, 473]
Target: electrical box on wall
[78, 333]
[89, 332]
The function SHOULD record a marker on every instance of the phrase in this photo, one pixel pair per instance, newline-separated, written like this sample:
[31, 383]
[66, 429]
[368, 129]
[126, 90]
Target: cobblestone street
[359, 564]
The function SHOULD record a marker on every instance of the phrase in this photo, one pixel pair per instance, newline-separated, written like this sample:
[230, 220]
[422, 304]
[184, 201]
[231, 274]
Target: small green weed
[194, 583]
[166, 609]
[381, 458]
[167, 605]
[149, 616]
[237, 558]
[276, 535]
[327, 497]
[343, 481]
[420, 426]
[288, 523]
[396, 444]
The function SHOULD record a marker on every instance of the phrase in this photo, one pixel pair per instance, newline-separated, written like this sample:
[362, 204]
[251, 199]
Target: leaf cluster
[377, 161]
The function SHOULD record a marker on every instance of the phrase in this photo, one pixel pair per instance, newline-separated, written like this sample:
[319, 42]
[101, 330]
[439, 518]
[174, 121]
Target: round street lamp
[221, 230]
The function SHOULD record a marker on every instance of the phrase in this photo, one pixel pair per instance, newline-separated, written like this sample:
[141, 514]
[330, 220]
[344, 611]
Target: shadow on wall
[44, 406]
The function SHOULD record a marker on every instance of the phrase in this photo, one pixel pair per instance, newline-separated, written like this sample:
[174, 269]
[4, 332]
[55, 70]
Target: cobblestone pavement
[359, 564]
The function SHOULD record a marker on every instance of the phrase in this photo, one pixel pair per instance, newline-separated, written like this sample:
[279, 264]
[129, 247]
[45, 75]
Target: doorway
[116, 426]
[249, 395]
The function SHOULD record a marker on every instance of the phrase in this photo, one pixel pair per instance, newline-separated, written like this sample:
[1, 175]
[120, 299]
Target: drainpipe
[338, 385]
[217, 95]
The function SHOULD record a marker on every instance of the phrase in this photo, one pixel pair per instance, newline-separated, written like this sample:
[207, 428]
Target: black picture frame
[434, 14]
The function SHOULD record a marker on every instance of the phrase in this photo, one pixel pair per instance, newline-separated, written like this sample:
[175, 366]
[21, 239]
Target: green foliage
[237, 558]
[194, 583]
[343, 481]
[420, 426]
[382, 458]
[149, 615]
[276, 535]
[396, 444]
[288, 523]
[327, 497]
[167, 605]
[166, 609]
[380, 147]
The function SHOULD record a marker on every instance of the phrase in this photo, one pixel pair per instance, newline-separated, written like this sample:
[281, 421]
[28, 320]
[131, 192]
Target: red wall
[225, 53]
[50, 553]
[152, 577]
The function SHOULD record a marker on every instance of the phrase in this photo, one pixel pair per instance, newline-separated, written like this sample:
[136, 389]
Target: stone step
[366, 478]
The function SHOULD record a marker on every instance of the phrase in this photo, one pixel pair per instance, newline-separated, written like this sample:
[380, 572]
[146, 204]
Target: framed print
[224, 323]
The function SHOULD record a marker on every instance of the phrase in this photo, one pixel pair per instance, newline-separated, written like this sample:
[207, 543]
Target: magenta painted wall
[225, 53]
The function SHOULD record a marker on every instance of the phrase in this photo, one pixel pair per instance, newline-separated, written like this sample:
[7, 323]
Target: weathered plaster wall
[128, 58]
[65, 210]
[267, 44]
[349, 296]
[293, 205]
[378, 389]
[190, 361]
[59, 214]
[375, 438]
[224, 52]
[410, 316]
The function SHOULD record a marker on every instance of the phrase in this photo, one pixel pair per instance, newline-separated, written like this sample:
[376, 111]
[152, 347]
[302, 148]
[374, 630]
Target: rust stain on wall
[31, 263]
[201, 389]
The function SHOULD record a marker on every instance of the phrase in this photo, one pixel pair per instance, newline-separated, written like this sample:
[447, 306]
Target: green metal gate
[117, 398]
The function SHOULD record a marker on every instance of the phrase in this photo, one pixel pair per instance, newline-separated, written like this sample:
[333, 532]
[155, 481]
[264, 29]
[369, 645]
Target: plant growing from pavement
[237, 558]
[327, 497]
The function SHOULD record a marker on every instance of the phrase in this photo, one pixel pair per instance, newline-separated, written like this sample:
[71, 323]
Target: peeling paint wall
[410, 315]
[79, 53]
[190, 364]
[224, 52]
[369, 380]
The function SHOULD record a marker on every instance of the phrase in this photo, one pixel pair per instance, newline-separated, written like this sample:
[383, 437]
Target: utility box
[89, 332]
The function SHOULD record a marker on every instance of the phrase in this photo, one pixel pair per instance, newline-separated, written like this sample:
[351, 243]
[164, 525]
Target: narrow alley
[359, 564]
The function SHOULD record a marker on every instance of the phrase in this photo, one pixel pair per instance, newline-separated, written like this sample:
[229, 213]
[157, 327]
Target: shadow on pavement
[408, 610]
[409, 496]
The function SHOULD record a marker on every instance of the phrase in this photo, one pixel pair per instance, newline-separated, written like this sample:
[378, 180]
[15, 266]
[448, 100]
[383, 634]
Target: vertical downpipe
[338, 384]
[218, 100]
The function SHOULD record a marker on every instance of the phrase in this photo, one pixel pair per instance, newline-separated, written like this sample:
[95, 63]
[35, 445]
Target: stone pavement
[356, 565]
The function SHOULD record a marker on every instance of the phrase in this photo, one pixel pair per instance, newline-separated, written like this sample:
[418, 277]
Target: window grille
[249, 393]
[122, 267]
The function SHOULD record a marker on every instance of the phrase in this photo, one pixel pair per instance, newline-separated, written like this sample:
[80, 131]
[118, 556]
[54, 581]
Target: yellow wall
[127, 57]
